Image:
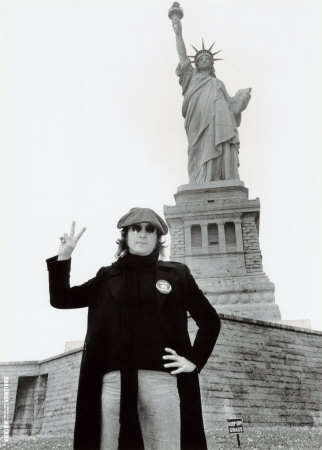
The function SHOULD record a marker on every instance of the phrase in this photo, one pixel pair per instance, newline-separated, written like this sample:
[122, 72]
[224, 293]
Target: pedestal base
[214, 229]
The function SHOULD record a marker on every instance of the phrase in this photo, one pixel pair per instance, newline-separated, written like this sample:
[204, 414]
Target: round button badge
[164, 287]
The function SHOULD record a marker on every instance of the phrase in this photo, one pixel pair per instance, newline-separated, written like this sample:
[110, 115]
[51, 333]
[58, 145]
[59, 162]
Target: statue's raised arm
[175, 15]
[211, 115]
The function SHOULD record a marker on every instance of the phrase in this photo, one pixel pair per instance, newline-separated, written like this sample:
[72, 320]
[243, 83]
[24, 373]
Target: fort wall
[270, 374]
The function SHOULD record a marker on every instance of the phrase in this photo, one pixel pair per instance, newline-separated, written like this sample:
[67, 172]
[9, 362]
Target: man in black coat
[137, 321]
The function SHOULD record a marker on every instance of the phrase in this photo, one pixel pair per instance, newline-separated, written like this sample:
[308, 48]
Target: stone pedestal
[214, 229]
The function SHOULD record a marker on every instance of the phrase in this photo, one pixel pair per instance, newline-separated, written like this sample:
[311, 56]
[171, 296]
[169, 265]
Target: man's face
[204, 62]
[142, 238]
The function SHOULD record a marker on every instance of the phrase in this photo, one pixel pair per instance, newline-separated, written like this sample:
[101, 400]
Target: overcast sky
[91, 125]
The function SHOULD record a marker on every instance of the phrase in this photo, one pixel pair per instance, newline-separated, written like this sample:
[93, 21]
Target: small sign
[235, 425]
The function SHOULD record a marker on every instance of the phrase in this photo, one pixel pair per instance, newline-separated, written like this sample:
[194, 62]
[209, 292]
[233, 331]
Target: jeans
[158, 409]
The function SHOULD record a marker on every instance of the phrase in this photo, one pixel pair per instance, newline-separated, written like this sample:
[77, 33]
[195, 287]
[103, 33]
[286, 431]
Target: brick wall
[269, 373]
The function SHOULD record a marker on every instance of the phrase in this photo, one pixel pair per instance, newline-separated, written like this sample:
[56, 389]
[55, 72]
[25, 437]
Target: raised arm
[61, 294]
[181, 48]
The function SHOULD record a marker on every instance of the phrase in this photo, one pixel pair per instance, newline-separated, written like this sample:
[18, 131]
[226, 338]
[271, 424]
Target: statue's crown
[204, 51]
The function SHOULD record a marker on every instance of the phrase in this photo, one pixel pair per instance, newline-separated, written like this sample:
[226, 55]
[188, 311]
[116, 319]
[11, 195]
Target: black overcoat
[102, 295]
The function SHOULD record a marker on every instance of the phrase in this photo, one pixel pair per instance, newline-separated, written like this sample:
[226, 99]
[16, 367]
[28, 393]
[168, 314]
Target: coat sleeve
[63, 296]
[206, 318]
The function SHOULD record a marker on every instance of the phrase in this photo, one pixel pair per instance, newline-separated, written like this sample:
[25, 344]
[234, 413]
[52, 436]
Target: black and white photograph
[161, 168]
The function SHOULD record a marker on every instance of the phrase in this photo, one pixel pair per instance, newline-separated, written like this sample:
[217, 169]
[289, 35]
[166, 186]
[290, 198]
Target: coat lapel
[115, 284]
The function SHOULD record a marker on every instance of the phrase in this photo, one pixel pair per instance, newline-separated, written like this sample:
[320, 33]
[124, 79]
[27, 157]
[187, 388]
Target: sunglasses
[138, 227]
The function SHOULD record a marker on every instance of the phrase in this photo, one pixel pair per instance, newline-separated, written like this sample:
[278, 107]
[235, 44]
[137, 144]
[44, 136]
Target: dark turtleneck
[141, 336]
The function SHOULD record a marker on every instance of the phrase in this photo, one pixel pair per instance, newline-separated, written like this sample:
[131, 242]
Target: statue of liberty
[211, 115]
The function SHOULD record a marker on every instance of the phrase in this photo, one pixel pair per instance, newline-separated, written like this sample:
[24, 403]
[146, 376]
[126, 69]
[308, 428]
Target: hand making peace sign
[68, 243]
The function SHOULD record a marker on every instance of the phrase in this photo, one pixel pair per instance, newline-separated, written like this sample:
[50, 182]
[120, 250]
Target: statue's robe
[211, 120]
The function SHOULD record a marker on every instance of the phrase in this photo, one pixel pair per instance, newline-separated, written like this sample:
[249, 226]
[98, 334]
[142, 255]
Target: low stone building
[266, 373]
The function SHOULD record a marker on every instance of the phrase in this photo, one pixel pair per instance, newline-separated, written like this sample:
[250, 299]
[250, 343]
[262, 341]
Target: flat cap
[139, 215]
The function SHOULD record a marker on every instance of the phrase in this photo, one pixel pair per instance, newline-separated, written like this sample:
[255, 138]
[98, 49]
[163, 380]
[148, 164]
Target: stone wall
[13, 371]
[57, 414]
[63, 373]
[177, 240]
[271, 374]
[253, 257]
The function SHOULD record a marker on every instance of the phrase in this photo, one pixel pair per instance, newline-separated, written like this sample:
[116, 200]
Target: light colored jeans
[158, 408]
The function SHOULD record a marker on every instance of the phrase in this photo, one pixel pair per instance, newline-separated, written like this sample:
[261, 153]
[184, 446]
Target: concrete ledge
[269, 324]
[41, 361]
[210, 185]
[17, 363]
[211, 192]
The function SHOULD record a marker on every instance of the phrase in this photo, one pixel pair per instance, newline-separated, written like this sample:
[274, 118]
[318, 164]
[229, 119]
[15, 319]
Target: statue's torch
[175, 12]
